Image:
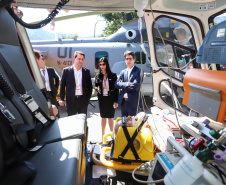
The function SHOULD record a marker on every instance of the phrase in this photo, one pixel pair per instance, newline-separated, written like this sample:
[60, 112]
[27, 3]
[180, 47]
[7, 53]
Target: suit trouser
[78, 107]
[127, 109]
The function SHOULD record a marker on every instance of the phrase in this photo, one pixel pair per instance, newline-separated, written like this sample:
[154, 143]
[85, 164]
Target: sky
[83, 26]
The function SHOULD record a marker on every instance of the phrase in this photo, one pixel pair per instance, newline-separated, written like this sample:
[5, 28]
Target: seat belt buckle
[33, 106]
[30, 102]
[7, 113]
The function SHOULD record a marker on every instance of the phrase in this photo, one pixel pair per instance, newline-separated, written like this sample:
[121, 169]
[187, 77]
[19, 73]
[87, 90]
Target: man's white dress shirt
[45, 75]
[78, 81]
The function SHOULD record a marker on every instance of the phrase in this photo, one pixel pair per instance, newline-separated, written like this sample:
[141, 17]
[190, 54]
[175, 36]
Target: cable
[189, 144]
[42, 23]
[213, 172]
[140, 92]
[141, 61]
[143, 143]
[213, 162]
[5, 88]
[220, 172]
[180, 68]
[171, 83]
[144, 182]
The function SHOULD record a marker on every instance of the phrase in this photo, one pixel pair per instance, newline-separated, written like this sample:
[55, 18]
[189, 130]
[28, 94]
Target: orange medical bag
[205, 92]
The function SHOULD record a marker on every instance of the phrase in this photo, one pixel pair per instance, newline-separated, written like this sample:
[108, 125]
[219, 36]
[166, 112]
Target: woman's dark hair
[105, 60]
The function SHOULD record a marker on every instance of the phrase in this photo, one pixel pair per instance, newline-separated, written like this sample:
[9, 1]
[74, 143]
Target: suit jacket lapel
[131, 74]
[49, 74]
[126, 75]
[47, 69]
[50, 77]
[83, 78]
[72, 75]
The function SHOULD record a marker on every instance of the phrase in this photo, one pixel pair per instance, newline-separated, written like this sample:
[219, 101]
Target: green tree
[114, 21]
[73, 36]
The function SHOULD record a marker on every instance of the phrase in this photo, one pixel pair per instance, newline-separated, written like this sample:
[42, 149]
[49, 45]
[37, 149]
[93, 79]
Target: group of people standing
[77, 86]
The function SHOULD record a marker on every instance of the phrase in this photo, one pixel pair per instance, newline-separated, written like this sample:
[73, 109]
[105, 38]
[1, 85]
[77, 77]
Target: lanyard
[77, 79]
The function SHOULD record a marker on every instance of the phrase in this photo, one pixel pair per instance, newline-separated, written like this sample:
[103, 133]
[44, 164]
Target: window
[179, 46]
[98, 56]
[139, 56]
[166, 95]
[219, 18]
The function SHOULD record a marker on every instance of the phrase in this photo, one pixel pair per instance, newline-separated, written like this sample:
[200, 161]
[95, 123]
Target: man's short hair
[79, 52]
[129, 53]
[37, 53]
[180, 31]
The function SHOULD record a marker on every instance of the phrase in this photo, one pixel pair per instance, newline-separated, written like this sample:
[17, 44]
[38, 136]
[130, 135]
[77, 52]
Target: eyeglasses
[102, 64]
[43, 59]
[129, 59]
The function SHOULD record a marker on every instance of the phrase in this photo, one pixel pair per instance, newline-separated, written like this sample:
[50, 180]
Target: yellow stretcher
[131, 147]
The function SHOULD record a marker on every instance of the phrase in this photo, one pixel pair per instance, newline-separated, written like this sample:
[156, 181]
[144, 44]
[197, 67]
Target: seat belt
[21, 128]
[16, 172]
[17, 129]
[36, 111]
[130, 140]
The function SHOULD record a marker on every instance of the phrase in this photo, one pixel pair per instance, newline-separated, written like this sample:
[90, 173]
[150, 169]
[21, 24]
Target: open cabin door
[182, 37]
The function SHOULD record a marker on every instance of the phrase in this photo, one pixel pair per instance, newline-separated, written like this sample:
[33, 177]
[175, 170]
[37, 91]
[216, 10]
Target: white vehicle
[59, 53]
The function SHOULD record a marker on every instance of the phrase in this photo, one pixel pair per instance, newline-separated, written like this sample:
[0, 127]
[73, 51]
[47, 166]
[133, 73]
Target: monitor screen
[158, 173]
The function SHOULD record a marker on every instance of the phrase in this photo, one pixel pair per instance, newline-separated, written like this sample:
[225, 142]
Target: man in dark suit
[129, 84]
[76, 80]
[50, 78]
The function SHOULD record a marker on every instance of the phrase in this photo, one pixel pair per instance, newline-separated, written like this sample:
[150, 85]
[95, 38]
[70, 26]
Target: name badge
[105, 92]
[77, 90]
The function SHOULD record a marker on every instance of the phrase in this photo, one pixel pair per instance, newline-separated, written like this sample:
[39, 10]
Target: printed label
[105, 92]
[166, 160]
[221, 32]
[207, 6]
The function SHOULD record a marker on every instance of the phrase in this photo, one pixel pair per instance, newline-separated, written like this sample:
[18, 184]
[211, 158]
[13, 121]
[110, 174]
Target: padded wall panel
[8, 34]
[15, 58]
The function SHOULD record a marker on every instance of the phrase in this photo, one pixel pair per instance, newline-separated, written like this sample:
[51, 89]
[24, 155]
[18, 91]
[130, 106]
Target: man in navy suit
[129, 84]
[50, 78]
[76, 80]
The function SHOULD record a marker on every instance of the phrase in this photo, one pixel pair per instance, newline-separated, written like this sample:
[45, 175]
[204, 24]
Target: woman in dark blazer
[107, 93]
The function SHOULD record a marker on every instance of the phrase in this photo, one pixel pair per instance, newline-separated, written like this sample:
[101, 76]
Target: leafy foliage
[71, 36]
[114, 21]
